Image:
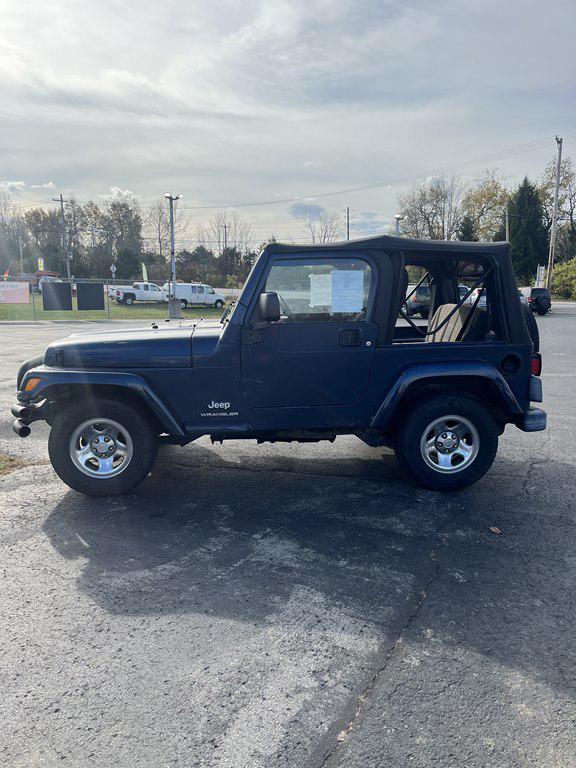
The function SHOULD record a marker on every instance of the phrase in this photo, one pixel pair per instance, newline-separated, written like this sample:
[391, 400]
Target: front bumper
[532, 420]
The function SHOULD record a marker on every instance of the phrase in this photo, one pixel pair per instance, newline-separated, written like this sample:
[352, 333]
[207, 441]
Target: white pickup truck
[128, 294]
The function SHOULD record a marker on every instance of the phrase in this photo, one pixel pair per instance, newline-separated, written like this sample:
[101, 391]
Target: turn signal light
[32, 384]
[536, 364]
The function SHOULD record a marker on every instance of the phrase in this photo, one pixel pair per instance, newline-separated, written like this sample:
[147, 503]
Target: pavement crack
[330, 757]
[344, 733]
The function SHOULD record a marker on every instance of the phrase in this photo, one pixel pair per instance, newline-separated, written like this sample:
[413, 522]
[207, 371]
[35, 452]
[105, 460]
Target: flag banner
[90, 295]
[40, 264]
[14, 293]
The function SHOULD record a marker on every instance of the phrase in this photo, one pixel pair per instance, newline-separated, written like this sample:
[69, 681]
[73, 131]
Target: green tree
[528, 235]
[564, 280]
[467, 231]
[566, 232]
[44, 239]
[122, 225]
[484, 202]
[197, 266]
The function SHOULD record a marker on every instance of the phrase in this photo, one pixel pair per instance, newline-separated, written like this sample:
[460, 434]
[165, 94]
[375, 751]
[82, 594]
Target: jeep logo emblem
[223, 406]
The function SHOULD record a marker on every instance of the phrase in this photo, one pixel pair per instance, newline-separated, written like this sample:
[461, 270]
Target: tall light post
[398, 217]
[174, 308]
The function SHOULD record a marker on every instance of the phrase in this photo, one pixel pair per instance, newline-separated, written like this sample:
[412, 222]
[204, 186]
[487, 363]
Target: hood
[206, 337]
[166, 345]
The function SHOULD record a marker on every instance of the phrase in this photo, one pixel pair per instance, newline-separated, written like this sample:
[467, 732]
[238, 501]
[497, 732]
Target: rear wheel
[102, 447]
[183, 303]
[424, 314]
[129, 300]
[447, 441]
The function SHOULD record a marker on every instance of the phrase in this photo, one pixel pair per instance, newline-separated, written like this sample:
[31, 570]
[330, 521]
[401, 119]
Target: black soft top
[410, 250]
[500, 252]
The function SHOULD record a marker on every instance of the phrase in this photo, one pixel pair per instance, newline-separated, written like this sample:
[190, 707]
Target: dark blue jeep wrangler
[319, 344]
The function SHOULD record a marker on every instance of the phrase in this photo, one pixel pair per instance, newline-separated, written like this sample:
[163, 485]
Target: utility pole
[347, 222]
[552, 251]
[61, 200]
[21, 257]
[507, 220]
[225, 228]
[174, 308]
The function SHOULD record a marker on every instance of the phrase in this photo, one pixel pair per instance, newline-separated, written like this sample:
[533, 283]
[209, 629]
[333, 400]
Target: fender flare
[54, 377]
[445, 371]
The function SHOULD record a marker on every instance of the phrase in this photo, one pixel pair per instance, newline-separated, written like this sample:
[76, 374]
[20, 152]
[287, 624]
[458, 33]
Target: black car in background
[538, 299]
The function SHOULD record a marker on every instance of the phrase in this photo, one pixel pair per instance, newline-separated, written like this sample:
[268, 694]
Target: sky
[284, 102]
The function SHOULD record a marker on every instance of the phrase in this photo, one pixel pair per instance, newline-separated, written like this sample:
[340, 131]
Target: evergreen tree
[528, 235]
[468, 232]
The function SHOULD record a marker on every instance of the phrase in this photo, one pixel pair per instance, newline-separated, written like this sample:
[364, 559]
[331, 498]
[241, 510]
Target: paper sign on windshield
[320, 290]
[347, 290]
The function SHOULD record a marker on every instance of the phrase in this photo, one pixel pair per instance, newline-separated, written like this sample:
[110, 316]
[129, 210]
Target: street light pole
[398, 217]
[552, 251]
[174, 308]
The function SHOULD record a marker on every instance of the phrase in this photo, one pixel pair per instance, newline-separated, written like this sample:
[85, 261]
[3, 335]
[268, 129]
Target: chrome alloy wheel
[450, 444]
[101, 448]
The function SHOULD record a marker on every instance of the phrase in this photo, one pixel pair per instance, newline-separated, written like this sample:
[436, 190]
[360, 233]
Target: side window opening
[457, 304]
[321, 290]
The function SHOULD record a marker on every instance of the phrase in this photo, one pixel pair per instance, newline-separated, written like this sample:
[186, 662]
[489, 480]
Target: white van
[195, 293]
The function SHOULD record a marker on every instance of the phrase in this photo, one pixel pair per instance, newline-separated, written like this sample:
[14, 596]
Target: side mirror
[269, 307]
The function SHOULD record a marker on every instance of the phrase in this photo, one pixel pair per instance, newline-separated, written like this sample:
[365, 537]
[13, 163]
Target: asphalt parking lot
[261, 606]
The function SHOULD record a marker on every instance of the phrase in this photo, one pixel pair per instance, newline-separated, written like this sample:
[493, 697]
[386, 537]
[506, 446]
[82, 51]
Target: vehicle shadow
[217, 539]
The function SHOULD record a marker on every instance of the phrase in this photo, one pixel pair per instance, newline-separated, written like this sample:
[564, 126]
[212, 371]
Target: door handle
[349, 337]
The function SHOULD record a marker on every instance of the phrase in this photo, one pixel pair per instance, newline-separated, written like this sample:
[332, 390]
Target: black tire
[438, 406]
[424, 313]
[541, 310]
[129, 300]
[183, 303]
[219, 304]
[532, 327]
[133, 422]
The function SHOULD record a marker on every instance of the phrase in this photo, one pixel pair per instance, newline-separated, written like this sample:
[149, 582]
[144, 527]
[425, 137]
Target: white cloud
[45, 185]
[12, 187]
[230, 102]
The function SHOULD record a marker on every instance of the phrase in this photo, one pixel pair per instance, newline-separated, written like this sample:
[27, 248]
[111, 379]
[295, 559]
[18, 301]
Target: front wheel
[183, 303]
[102, 447]
[219, 304]
[447, 442]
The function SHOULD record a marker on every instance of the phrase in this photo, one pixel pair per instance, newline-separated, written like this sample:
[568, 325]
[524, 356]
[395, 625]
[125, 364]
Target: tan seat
[453, 328]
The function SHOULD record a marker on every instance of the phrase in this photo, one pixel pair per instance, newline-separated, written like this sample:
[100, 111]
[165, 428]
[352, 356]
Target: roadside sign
[14, 293]
[113, 268]
[40, 264]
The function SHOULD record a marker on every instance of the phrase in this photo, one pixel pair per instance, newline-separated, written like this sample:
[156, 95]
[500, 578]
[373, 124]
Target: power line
[502, 154]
